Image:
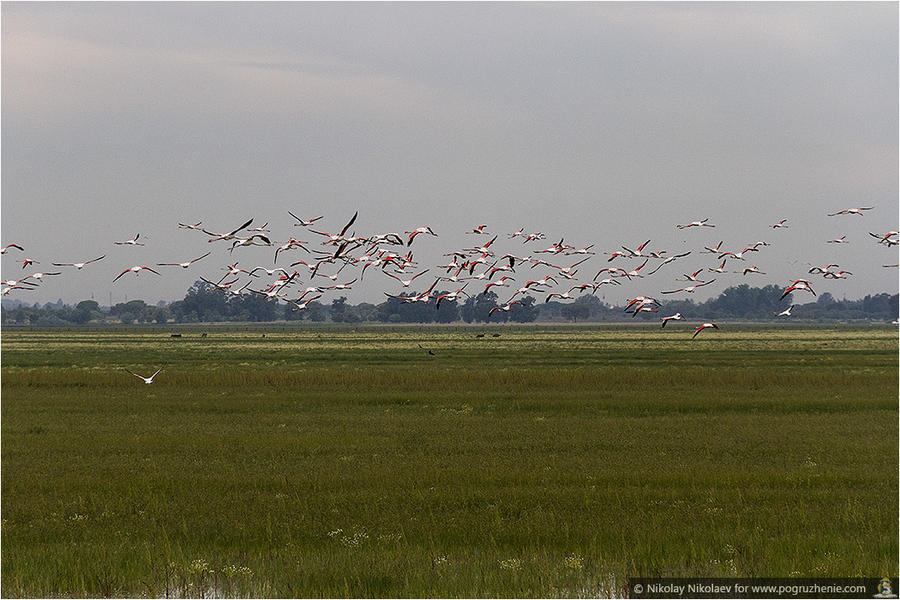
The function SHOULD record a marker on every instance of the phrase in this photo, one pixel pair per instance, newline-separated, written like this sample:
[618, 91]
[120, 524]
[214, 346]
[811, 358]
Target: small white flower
[511, 564]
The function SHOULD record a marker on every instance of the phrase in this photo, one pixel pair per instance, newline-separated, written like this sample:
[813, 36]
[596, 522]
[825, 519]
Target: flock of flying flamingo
[331, 252]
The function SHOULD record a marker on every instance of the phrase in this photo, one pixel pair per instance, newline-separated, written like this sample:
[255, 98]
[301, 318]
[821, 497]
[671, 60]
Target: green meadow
[428, 462]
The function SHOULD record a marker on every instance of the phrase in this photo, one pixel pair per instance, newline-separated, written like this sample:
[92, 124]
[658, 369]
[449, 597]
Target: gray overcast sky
[604, 124]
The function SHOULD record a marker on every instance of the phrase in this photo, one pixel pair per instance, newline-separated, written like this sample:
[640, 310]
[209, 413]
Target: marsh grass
[543, 463]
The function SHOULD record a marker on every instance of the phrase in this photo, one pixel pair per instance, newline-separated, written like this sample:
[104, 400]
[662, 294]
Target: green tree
[575, 311]
[339, 309]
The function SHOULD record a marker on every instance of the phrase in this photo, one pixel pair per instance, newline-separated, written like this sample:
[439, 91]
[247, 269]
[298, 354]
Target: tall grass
[520, 467]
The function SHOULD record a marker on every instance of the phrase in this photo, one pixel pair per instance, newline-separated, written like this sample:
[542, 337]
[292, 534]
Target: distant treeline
[205, 303]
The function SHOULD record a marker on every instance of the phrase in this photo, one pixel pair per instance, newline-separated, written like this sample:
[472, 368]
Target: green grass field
[545, 462]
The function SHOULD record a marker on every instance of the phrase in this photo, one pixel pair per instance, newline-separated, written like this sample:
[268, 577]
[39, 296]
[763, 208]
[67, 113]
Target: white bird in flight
[183, 265]
[852, 211]
[147, 380]
[786, 312]
[702, 327]
[132, 242]
[80, 265]
[135, 269]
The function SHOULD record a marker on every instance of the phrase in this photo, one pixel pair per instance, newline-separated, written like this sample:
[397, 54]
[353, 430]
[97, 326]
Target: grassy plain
[352, 462]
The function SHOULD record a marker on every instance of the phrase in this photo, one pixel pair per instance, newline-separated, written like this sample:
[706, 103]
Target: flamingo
[516, 233]
[485, 249]
[614, 255]
[690, 289]
[80, 265]
[638, 253]
[451, 296]
[714, 250]
[538, 262]
[541, 282]
[840, 240]
[676, 317]
[302, 305]
[481, 260]
[702, 223]
[406, 282]
[190, 225]
[641, 301]
[479, 230]
[423, 229]
[270, 272]
[147, 380]
[612, 271]
[132, 242]
[753, 269]
[800, 284]
[232, 292]
[565, 296]
[505, 308]
[534, 236]
[215, 237]
[702, 327]
[667, 261]
[502, 268]
[291, 243]
[220, 285]
[386, 238]
[135, 269]
[341, 286]
[634, 273]
[823, 270]
[14, 283]
[40, 276]
[301, 223]
[338, 238]
[606, 281]
[581, 287]
[29, 261]
[720, 268]
[838, 275]
[852, 211]
[739, 255]
[692, 276]
[6, 290]
[779, 224]
[499, 283]
[313, 268]
[249, 241]
[643, 308]
[554, 249]
[568, 294]
[233, 270]
[184, 265]
[484, 274]
[283, 280]
[455, 278]
[567, 272]
[786, 312]
[423, 297]
[272, 292]
[6, 248]
[885, 238]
